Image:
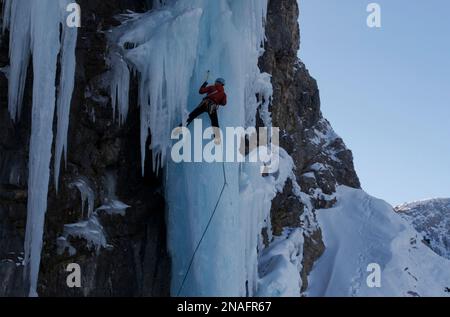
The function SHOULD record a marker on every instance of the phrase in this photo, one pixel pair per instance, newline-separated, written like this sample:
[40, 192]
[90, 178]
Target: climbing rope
[205, 231]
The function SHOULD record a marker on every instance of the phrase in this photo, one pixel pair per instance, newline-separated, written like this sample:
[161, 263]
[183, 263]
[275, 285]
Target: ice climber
[215, 97]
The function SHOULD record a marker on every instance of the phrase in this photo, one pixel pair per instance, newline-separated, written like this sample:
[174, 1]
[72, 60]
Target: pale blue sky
[386, 91]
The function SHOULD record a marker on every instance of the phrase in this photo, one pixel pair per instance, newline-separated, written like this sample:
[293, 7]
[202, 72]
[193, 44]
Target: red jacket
[216, 94]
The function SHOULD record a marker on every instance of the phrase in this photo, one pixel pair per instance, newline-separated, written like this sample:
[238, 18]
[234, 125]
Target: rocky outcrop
[136, 262]
[321, 158]
[430, 219]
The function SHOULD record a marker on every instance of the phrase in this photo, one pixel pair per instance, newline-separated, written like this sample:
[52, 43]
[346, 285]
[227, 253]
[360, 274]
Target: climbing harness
[212, 107]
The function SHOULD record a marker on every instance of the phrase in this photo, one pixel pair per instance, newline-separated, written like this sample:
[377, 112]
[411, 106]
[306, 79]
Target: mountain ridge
[431, 218]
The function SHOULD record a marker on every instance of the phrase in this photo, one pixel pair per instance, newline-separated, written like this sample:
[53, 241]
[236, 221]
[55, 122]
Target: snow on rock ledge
[280, 266]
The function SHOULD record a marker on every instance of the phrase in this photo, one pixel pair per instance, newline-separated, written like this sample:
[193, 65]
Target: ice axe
[207, 76]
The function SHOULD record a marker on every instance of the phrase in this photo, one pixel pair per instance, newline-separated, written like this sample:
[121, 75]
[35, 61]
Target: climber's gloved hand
[205, 84]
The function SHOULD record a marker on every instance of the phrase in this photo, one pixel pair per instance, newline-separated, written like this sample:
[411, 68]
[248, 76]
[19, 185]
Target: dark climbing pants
[202, 108]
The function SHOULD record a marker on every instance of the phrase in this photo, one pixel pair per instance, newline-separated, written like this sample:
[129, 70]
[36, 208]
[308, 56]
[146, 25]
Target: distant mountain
[432, 219]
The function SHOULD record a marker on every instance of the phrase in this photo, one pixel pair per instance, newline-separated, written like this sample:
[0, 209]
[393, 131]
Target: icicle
[119, 86]
[87, 195]
[35, 30]
[165, 61]
[111, 204]
[45, 47]
[66, 85]
[90, 230]
[18, 22]
[6, 9]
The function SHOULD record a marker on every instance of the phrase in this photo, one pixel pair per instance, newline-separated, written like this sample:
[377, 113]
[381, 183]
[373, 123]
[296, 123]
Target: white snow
[89, 230]
[280, 266]
[361, 230]
[35, 31]
[256, 195]
[263, 85]
[113, 206]
[309, 175]
[318, 167]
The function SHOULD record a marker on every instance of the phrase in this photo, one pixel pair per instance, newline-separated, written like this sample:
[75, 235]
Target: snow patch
[280, 266]
[113, 207]
[318, 167]
[89, 230]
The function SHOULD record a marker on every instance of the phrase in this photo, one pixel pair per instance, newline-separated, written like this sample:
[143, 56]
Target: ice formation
[89, 230]
[170, 49]
[87, 195]
[112, 207]
[35, 31]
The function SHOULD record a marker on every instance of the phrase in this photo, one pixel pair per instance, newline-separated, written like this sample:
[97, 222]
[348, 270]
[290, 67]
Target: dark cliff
[306, 135]
[137, 264]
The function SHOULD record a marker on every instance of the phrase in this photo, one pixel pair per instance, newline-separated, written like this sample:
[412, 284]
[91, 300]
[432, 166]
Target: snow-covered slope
[362, 230]
[432, 219]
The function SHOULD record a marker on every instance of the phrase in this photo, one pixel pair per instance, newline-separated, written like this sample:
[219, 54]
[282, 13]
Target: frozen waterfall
[35, 31]
[170, 49]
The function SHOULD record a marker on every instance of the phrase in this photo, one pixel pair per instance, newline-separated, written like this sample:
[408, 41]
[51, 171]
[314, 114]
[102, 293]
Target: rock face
[431, 219]
[321, 157]
[106, 155]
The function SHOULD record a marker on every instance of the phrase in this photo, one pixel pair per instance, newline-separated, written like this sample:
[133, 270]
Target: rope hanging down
[205, 231]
